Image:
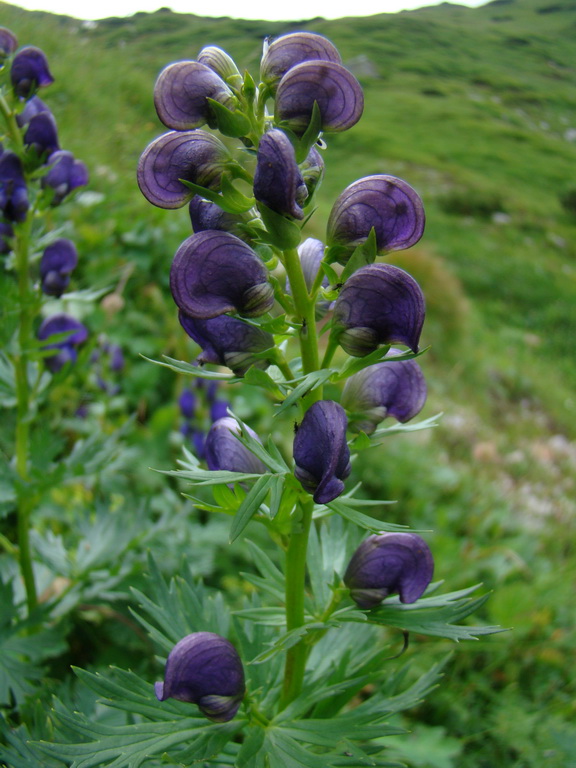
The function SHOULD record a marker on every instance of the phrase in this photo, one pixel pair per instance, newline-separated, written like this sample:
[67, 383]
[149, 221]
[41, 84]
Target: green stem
[306, 311]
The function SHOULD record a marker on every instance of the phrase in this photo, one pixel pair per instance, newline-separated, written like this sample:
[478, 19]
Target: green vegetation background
[476, 108]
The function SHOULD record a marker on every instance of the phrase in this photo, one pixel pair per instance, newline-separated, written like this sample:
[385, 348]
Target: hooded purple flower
[204, 669]
[65, 349]
[388, 564]
[321, 454]
[182, 91]
[228, 341]
[8, 43]
[13, 194]
[223, 450]
[388, 204]
[379, 304]
[335, 89]
[206, 215]
[65, 175]
[220, 62]
[288, 50]
[29, 71]
[195, 156]
[42, 134]
[278, 182]
[389, 388]
[34, 106]
[312, 170]
[214, 272]
[58, 261]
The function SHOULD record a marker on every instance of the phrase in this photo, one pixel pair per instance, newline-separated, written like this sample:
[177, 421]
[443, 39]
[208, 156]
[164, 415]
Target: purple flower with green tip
[286, 51]
[8, 43]
[223, 450]
[312, 170]
[182, 91]
[335, 89]
[195, 156]
[379, 304]
[58, 261]
[29, 71]
[321, 453]
[206, 215]
[389, 564]
[389, 388]
[215, 272]
[220, 62]
[13, 193]
[385, 203]
[65, 175]
[278, 183]
[204, 669]
[228, 341]
[65, 348]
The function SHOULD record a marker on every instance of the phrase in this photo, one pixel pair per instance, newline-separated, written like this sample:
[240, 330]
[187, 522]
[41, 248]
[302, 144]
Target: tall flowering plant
[301, 673]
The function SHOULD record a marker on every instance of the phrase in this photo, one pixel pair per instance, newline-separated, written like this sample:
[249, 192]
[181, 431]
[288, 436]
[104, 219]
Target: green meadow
[476, 109]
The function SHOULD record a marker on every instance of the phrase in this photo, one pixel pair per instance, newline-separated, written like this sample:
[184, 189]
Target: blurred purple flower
[65, 175]
[387, 564]
[228, 341]
[379, 304]
[389, 388]
[13, 194]
[8, 43]
[29, 71]
[218, 410]
[388, 204]
[286, 51]
[278, 183]
[321, 453]
[215, 272]
[195, 156]
[34, 106]
[223, 450]
[58, 261]
[187, 403]
[335, 89]
[65, 349]
[204, 669]
[42, 134]
[181, 95]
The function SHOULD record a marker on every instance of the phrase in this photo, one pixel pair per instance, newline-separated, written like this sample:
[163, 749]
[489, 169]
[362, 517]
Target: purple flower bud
[387, 564]
[29, 71]
[65, 348]
[6, 232]
[181, 93]
[195, 156]
[42, 134]
[58, 261]
[311, 253]
[388, 204]
[335, 89]
[312, 170]
[34, 106]
[379, 304]
[224, 451]
[8, 43]
[187, 403]
[204, 669]
[220, 62]
[288, 50]
[13, 195]
[386, 389]
[321, 454]
[228, 341]
[65, 175]
[214, 272]
[278, 182]
[206, 215]
[198, 441]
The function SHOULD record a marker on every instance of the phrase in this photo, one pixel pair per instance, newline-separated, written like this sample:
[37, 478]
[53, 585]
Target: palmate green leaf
[436, 616]
[362, 255]
[395, 429]
[305, 385]
[347, 511]
[16, 751]
[180, 366]
[208, 477]
[274, 463]
[232, 202]
[251, 505]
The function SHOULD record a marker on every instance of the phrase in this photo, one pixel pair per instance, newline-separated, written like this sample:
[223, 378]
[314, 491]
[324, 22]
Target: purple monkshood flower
[206, 215]
[389, 388]
[223, 450]
[58, 261]
[13, 194]
[335, 89]
[312, 170]
[215, 272]
[278, 183]
[311, 253]
[187, 403]
[34, 106]
[182, 91]
[388, 204]
[6, 232]
[379, 304]
[321, 453]
[288, 50]
[195, 156]
[228, 341]
[204, 669]
[388, 564]
[42, 134]
[8, 43]
[220, 62]
[65, 175]
[29, 71]
[65, 348]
